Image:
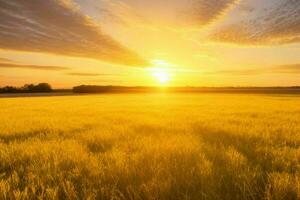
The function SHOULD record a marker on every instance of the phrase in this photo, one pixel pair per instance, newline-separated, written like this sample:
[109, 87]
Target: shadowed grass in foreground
[150, 146]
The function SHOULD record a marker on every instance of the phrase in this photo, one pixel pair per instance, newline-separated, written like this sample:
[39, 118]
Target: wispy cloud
[5, 60]
[86, 74]
[292, 68]
[277, 69]
[276, 22]
[35, 67]
[247, 72]
[58, 26]
[178, 13]
[205, 12]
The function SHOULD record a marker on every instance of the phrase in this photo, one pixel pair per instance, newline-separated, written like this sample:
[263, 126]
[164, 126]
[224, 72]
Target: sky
[150, 43]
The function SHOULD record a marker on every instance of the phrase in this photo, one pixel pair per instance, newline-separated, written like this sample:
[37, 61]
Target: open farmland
[150, 146]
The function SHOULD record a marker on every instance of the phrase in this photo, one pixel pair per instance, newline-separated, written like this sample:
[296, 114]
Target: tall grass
[150, 146]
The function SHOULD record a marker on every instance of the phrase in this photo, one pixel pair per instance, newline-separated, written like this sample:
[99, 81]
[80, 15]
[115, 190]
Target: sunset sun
[161, 75]
[161, 71]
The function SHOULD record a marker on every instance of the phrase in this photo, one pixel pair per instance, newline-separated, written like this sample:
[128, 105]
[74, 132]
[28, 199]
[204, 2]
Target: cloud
[277, 69]
[5, 60]
[276, 22]
[205, 12]
[86, 74]
[36, 67]
[238, 72]
[58, 26]
[290, 69]
[170, 13]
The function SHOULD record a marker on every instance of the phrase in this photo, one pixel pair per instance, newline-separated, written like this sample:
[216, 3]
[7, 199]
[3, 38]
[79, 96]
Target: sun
[161, 71]
[161, 75]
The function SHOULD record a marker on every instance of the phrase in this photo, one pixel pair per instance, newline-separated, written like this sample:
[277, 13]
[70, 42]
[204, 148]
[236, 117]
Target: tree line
[27, 88]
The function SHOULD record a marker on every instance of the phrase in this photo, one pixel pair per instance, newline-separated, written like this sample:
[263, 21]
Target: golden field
[150, 146]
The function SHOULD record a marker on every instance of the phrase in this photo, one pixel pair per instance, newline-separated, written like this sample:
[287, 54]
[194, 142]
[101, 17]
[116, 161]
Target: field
[150, 146]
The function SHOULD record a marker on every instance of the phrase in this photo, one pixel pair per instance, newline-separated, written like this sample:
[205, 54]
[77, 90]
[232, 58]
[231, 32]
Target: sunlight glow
[161, 71]
[161, 75]
[161, 63]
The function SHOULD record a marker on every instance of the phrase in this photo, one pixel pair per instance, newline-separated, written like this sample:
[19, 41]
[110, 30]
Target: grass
[150, 146]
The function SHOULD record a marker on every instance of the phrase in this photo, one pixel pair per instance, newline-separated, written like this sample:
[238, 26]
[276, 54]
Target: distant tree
[28, 87]
[8, 89]
[41, 87]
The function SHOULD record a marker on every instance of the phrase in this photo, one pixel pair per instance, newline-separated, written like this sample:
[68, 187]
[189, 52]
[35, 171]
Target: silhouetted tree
[41, 87]
[8, 89]
[28, 87]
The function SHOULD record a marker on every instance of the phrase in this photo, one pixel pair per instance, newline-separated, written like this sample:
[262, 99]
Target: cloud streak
[205, 12]
[57, 26]
[290, 69]
[86, 74]
[170, 13]
[5, 60]
[275, 23]
[34, 67]
[278, 69]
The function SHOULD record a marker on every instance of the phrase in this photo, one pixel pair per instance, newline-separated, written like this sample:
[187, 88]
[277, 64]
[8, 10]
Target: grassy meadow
[150, 146]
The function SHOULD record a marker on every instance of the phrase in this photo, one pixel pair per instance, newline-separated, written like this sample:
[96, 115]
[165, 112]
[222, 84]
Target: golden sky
[142, 42]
